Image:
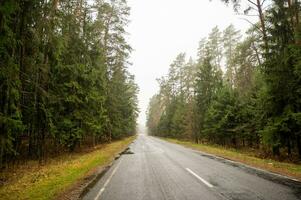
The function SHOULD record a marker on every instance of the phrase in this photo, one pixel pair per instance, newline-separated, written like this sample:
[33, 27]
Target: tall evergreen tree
[60, 63]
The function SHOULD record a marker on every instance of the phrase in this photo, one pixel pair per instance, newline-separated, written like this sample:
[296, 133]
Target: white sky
[161, 29]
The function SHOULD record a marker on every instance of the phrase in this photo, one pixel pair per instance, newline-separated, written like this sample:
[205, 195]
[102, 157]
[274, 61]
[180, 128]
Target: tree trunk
[1, 151]
[291, 12]
[299, 145]
[262, 23]
[297, 12]
[289, 147]
[276, 151]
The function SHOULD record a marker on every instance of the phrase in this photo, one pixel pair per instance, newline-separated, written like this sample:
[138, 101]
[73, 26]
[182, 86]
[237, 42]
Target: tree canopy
[245, 89]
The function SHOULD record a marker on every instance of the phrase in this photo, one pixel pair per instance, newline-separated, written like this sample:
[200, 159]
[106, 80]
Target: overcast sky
[161, 29]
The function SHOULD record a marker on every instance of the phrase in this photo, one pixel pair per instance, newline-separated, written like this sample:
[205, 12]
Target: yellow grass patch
[33, 181]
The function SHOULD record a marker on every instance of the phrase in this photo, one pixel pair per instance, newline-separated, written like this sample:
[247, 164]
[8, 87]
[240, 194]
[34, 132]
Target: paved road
[160, 170]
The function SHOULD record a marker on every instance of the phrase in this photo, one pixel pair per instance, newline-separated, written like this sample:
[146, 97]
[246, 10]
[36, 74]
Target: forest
[64, 79]
[242, 90]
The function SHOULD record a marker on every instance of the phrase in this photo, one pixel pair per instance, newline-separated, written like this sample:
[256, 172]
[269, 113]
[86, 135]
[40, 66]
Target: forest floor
[58, 175]
[247, 157]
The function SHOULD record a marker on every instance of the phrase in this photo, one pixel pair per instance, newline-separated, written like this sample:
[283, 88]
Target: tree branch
[252, 24]
[251, 2]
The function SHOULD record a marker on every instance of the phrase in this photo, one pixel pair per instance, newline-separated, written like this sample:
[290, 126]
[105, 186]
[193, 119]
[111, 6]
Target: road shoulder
[286, 170]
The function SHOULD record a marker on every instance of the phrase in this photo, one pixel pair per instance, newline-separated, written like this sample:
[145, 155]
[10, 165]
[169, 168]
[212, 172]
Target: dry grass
[287, 169]
[33, 181]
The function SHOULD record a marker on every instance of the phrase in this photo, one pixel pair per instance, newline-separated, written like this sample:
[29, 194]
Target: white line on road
[200, 178]
[107, 182]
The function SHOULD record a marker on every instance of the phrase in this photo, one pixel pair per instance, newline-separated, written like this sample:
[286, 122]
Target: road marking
[107, 182]
[200, 178]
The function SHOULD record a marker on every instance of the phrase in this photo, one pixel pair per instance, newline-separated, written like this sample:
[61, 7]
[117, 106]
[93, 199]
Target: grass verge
[283, 168]
[33, 181]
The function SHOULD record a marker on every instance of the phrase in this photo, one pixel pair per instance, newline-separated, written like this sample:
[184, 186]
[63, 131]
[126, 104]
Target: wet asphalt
[154, 169]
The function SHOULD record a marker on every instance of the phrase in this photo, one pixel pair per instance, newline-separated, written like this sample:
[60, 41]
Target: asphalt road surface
[159, 170]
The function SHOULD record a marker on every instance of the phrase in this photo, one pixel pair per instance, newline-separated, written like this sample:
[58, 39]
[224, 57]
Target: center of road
[114, 171]
[200, 178]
